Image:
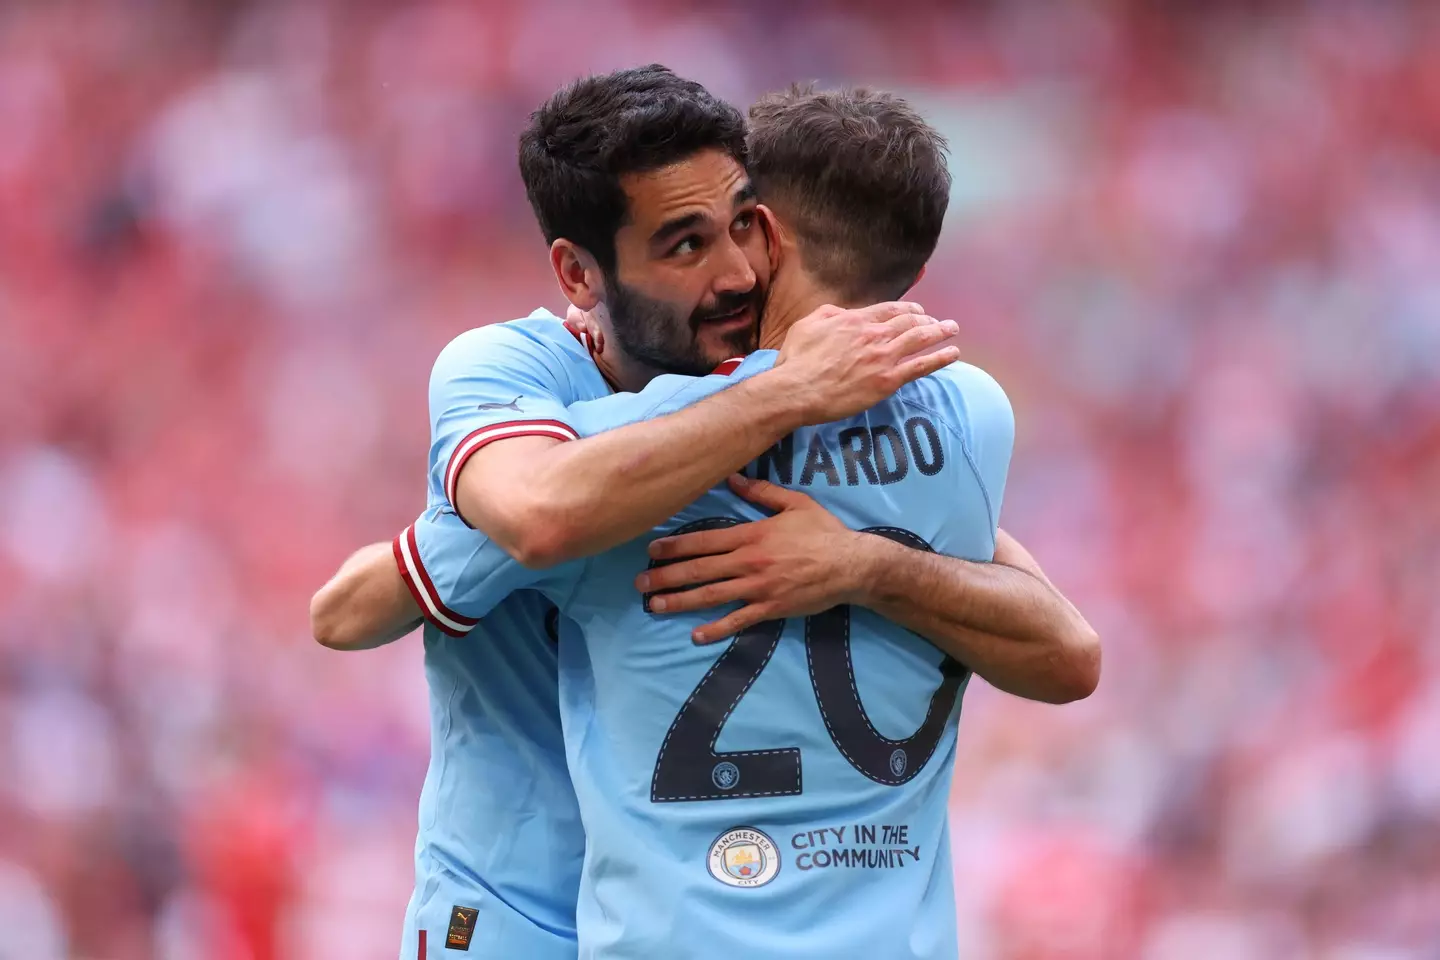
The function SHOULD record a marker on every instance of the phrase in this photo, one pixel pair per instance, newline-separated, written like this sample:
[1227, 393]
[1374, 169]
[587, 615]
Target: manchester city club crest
[725, 775]
[744, 857]
[897, 763]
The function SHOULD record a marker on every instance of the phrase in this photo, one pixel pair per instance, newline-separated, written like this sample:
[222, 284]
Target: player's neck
[622, 373]
[789, 302]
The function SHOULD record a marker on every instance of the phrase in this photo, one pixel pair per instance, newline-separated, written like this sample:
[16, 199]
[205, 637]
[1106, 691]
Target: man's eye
[745, 221]
[687, 246]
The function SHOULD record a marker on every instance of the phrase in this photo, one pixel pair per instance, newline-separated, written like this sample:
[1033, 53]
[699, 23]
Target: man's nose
[734, 273]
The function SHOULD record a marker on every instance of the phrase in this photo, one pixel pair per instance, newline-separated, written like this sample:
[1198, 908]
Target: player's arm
[437, 570]
[1004, 622]
[1004, 619]
[500, 380]
[545, 501]
[1058, 663]
[365, 604]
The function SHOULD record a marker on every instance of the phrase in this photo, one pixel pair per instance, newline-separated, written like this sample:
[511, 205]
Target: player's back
[783, 794]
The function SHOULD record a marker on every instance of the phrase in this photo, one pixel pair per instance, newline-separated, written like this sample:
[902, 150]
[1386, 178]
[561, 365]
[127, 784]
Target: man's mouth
[740, 315]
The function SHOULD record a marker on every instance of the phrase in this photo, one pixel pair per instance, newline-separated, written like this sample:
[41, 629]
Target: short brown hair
[860, 177]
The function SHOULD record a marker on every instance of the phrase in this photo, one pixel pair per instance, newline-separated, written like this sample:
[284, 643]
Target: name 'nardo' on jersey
[781, 794]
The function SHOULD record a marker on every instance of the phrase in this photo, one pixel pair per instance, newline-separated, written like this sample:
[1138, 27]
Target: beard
[656, 334]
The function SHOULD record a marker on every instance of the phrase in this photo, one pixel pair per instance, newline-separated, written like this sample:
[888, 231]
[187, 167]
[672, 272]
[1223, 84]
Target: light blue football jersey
[782, 794]
[498, 855]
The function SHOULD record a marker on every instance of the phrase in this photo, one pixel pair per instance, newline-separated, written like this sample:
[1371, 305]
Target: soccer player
[493, 850]
[782, 797]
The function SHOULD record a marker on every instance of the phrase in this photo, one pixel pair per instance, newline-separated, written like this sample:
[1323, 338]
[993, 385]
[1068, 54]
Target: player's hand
[583, 324]
[840, 362]
[799, 562]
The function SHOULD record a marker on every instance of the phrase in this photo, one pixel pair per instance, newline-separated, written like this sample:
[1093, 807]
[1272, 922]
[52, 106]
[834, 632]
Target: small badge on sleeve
[462, 928]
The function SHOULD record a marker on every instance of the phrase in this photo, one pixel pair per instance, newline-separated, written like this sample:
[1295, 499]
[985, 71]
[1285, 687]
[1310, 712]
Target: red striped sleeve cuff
[422, 588]
[479, 439]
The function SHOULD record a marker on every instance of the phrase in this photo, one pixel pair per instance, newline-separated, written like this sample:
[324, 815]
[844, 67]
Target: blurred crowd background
[1199, 243]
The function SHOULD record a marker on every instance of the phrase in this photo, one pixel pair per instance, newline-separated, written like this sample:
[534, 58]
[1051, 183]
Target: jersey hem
[477, 440]
[422, 588]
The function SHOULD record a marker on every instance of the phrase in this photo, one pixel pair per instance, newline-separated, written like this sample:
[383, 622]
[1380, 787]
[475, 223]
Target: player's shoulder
[960, 392]
[540, 335]
[540, 328]
[962, 379]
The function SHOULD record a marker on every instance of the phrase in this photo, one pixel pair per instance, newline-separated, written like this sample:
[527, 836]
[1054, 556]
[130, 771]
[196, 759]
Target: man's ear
[771, 228]
[579, 275]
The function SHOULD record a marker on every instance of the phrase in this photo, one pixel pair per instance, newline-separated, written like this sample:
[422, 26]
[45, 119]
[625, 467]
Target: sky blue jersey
[498, 855]
[782, 794]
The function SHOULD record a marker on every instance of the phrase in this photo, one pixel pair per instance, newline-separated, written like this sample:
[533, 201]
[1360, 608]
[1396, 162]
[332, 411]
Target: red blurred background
[1198, 243]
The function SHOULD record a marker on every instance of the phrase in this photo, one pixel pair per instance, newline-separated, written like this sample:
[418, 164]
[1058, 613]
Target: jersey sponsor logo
[744, 857]
[462, 928]
[512, 405]
[867, 846]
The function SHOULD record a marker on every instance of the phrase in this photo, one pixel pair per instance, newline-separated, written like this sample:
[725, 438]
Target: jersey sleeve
[457, 574]
[494, 383]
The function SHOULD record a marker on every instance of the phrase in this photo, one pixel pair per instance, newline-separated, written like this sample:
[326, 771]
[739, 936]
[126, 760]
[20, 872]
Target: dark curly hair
[594, 131]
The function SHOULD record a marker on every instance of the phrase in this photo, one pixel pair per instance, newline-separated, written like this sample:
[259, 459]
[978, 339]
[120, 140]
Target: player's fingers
[582, 325]
[922, 338]
[688, 573]
[700, 544]
[702, 597]
[892, 328]
[820, 314]
[919, 367]
[767, 494]
[880, 312]
[728, 626]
